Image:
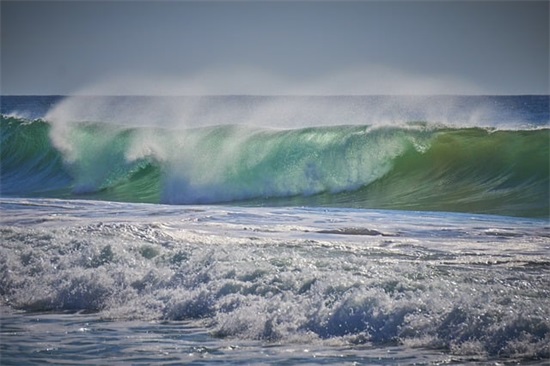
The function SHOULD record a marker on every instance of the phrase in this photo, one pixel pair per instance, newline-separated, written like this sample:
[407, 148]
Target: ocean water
[275, 230]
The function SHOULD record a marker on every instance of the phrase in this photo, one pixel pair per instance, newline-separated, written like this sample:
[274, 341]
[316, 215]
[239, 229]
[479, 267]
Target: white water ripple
[335, 282]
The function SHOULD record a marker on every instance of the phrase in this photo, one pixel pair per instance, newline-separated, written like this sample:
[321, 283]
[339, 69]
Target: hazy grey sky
[371, 47]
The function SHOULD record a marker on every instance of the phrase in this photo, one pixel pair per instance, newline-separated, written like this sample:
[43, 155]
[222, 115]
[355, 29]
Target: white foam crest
[24, 115]
[182, 113]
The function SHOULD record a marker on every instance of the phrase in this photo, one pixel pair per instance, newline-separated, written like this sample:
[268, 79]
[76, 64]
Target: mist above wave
[286, 111]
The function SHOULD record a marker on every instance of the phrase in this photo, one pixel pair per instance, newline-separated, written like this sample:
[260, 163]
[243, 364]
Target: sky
[274, 47]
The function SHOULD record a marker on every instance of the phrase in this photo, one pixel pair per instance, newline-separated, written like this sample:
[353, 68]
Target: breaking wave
[414, 166]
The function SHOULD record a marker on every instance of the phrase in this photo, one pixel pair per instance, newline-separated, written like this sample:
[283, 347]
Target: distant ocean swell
[417, 166]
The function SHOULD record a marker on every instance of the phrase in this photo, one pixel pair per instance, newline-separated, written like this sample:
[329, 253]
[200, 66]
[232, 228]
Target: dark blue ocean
[275, 230]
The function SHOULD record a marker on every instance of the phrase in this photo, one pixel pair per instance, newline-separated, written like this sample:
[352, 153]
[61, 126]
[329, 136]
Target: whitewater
[275, 230]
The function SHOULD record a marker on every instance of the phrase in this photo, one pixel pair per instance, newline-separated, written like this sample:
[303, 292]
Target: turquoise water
[499, 167]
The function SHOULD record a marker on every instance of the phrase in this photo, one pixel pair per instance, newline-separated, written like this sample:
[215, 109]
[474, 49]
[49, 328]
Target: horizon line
[276, 95]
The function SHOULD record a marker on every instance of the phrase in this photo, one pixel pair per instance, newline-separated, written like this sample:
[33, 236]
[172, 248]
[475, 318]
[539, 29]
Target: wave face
[414, 166]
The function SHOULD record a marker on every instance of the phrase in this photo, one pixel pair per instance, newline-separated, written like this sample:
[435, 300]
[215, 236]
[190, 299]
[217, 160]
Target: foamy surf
[336, 277]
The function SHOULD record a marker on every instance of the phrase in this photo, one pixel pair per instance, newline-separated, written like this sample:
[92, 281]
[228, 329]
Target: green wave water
[417, 166]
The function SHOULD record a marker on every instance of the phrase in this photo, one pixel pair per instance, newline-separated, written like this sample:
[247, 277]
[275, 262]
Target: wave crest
[417, 166]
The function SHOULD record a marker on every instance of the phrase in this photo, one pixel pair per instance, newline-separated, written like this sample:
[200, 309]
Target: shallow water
[102, 282]
[86, 339]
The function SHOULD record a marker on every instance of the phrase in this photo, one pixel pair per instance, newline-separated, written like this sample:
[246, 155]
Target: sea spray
[288, 112]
